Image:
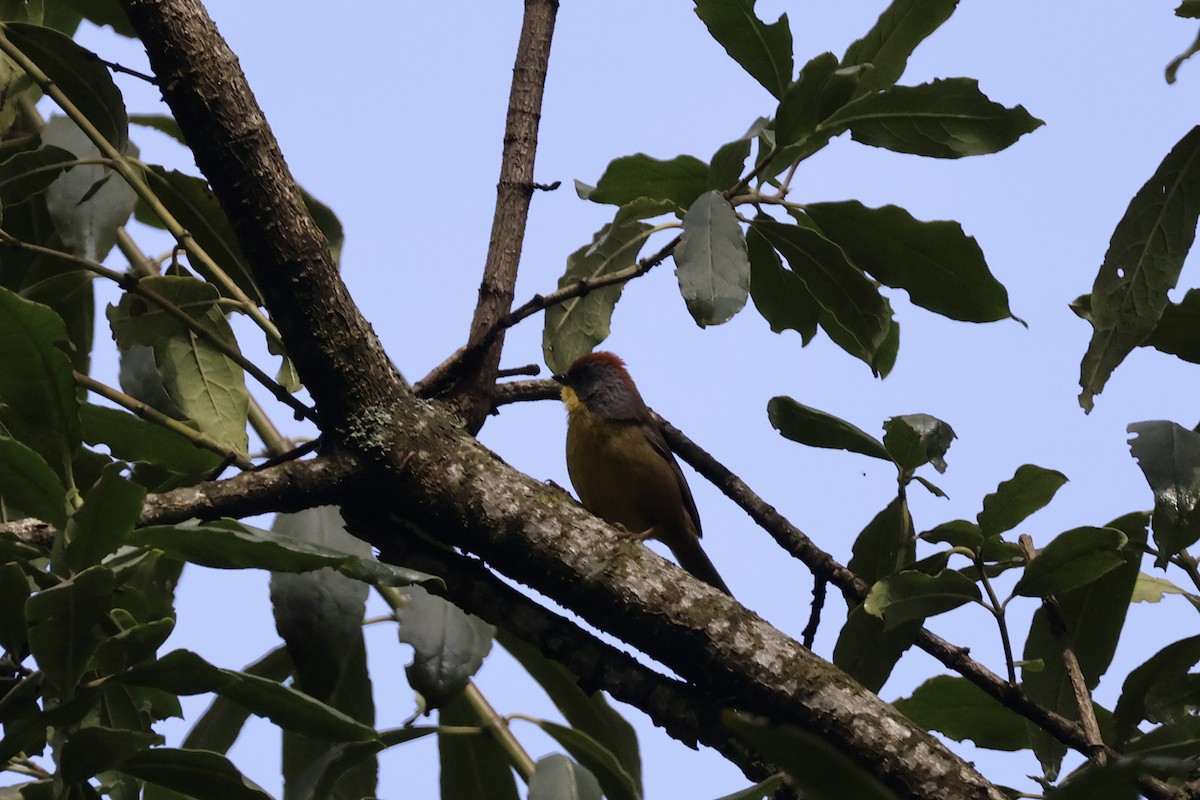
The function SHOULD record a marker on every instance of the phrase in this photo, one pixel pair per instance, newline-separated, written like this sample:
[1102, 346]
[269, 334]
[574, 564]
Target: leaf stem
[997, 609]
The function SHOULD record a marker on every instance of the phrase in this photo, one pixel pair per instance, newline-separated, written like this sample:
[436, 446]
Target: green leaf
[14, 591]
[595, 758]
[82, 77]
[575, 326]
[941, 268]
[89, 203]
[146, 585]
[587, 712]
[219, 726]
[868, 652]
[190, 201]
[764, 788]
[711, 262]
[1142, 264]
[1169, 665]
[319, 779]
[202, 382]
[913, 440]
[163, 123]
[802, 106]
[231, 545]
[1188, 9]
[947, 118]
[38, 403]
[725, 168]
[183, 672]
[131, 438]
[1174, 740]
[886, 545]
[112, 508]
[1178, 329]
[1177, 62]
[818, 770]
[193, 773]
[849, 297]
[449, 645]
[29, 172]
[67, 16]
[956, 533]
[1094, 615]
[95, 749]
[960, 710]
[319, 613]
[29, 485]
[62, 286]
[556, 776]
[818, 429]
[206, 385]
[355, 777]
[1169, 456]
[779, 295]
[764, 51]
[1150, 589]
[328, 223]
[913, 596]
[902, 26]
[136, 321]
[132, 645]
[680, 180]
[1073, 559]
[1027, 491]
[474, 767]
[66, 625]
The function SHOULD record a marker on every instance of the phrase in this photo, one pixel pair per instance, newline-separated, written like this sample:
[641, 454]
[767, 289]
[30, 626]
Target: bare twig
[997, 609]
[470, 386]
[809, 634]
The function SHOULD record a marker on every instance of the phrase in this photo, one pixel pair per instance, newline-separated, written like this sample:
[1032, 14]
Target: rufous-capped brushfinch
[621, 466]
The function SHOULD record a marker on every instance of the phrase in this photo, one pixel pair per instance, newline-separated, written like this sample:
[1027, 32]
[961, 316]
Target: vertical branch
[471, 385]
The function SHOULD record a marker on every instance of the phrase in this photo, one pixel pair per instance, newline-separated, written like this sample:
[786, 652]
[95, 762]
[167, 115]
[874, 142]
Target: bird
[621, 466]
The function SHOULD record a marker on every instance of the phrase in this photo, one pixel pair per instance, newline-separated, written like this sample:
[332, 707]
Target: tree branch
[469, 390]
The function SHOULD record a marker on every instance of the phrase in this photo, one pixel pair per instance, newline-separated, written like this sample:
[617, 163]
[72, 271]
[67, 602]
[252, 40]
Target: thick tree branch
[685, 711]
[343, 366]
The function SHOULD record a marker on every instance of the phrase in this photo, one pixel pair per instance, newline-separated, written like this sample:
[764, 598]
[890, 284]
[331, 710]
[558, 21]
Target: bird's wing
[659, 443]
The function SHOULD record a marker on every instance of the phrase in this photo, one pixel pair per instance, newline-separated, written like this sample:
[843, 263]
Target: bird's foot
[637, 536]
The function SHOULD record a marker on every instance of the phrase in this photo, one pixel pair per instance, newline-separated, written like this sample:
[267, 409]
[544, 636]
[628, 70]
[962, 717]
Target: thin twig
[1083, 697]
[135, 406]
[499, 729]
[115, 67]
[809, 634]
[997, 609]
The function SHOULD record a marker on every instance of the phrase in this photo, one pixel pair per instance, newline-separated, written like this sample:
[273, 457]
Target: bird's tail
[691, 556]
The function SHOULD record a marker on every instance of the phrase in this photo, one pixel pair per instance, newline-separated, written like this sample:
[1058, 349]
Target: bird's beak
[559, 379]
